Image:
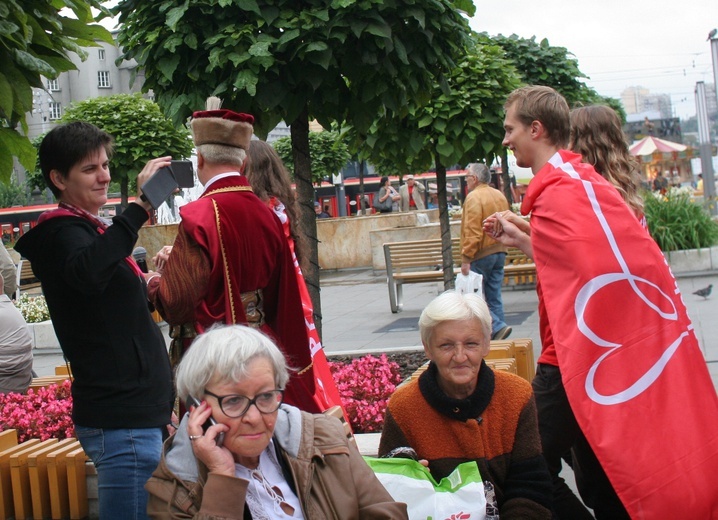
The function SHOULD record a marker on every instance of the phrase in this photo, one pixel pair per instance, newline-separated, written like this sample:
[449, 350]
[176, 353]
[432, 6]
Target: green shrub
[675, 222]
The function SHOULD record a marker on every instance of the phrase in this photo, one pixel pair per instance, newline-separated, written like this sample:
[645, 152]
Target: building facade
[98, 75]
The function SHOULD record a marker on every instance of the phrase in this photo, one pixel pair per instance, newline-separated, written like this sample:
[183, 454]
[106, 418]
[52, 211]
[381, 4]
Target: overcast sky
[657, 44]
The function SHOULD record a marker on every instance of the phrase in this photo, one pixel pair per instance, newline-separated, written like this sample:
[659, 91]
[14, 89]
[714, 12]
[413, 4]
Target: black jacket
[99, 309]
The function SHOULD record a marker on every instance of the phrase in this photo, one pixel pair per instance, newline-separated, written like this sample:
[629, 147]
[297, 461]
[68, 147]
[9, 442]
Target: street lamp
[704, 137]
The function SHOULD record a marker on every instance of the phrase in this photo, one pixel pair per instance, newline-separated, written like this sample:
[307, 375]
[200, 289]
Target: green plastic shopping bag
[460, 496]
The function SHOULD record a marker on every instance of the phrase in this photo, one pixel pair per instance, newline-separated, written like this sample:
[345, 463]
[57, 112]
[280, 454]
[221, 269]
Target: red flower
[365, 385]
[40, 414]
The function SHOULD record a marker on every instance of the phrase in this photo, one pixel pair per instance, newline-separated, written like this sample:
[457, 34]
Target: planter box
[692, 260]
[43, 335]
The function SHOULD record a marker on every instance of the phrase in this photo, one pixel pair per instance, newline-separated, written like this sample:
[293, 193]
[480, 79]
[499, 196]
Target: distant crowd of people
[619, 358]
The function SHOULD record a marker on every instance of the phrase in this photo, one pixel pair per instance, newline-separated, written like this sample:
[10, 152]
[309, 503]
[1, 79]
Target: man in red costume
[230, 262]
[621, 379]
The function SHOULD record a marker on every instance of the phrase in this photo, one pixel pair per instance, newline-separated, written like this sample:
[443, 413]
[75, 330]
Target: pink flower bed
[40, 414]
[365, 385]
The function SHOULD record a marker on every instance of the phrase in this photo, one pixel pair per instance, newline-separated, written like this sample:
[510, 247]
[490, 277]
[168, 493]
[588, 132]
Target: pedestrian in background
[412, 195]
[15, 348]
[480, 252]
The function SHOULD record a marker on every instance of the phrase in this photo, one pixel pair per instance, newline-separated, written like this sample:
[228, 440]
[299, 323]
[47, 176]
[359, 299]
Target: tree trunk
[446, 256]
[307, 217]
[124, 191]
[505, 176]
[360, 206]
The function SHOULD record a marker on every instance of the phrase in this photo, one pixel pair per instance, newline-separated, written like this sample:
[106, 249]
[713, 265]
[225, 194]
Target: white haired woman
[460, 410]
[274, 461]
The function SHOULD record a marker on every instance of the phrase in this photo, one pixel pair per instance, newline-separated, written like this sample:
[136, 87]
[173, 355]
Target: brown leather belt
[182, 335]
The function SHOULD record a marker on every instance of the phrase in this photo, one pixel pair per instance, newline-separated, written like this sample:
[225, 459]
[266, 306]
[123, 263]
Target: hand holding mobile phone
[193, 401]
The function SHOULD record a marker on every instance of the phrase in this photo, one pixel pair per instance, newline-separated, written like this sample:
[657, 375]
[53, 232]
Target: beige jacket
[417, 194]
[330, 477]
[481, 202]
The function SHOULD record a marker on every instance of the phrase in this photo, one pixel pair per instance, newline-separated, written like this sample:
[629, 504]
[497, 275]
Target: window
[55, 110]
[53, 85]
[101, 54]
[103, 79]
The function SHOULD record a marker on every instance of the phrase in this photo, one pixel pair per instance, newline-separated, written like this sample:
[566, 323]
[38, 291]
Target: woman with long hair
[597, 135]
[270, 181]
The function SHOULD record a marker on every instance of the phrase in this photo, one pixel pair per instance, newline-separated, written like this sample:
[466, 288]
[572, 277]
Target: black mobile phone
[184, 173]
[159, 187]
[193, 401]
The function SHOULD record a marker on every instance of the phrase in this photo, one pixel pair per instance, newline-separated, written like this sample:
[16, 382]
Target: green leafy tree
[292, 61]
[540, 63]
[140, 130]
[327, 151]
[35, 40]
[12, 194]
[464, 123]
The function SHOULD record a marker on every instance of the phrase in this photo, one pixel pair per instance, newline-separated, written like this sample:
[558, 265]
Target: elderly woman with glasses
[459, 410]
[241, 453]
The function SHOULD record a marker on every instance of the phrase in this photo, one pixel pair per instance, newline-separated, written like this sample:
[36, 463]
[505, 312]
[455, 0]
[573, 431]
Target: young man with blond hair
[620, 359]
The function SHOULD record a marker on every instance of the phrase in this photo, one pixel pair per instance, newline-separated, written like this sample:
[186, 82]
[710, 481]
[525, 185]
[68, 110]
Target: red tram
[18, 220]
[327, 193]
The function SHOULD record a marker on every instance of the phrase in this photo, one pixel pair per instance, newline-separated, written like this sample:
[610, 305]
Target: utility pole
[704, 136]
[709, 190]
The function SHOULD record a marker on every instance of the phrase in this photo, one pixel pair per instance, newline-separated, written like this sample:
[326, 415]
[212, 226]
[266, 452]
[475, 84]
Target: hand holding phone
[193, 401]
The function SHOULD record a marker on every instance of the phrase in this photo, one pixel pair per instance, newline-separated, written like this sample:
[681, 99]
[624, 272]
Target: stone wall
[357, 242]
[346, 243]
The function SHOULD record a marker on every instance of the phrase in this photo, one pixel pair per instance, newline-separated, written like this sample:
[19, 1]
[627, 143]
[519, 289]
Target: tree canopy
[540, 63]
[140, 130]
[35, 42]
[329, 154]
[295, 61]
[335, 60]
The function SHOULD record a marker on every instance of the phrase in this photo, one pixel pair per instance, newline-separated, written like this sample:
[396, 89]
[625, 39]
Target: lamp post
[704, 136]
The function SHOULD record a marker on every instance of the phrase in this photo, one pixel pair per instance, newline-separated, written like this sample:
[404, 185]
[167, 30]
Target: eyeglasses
[235, 406]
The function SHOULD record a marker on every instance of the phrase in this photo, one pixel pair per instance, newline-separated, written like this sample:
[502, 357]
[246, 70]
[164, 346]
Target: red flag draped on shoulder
[630, 361]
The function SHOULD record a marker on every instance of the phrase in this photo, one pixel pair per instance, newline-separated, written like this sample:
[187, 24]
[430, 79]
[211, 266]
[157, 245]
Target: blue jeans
[492, 269]
[124, 460]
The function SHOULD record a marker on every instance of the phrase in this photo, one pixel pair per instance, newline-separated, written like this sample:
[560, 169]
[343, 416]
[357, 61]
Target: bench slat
[422, 261]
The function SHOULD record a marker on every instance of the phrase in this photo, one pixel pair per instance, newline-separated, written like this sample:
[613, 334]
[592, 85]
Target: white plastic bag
[473, 282]
[460, 495]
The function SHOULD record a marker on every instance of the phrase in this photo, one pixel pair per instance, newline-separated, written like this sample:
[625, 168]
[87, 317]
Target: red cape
[630, 360]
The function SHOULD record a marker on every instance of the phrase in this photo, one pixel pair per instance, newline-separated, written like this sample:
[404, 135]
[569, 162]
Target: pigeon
[705, 292]
[711, 34]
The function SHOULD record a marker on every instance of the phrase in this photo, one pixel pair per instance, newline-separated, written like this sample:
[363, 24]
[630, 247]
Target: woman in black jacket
[122, 389]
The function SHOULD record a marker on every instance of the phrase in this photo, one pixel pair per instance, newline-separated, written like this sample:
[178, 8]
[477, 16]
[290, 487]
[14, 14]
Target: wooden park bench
[420, 261]
[519, 268]
[26, 278]
[415, 261]
[42, 479]
[45, 381]
[510, 355]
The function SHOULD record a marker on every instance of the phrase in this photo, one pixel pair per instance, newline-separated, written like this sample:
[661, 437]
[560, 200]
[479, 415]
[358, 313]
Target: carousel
[658, 155]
